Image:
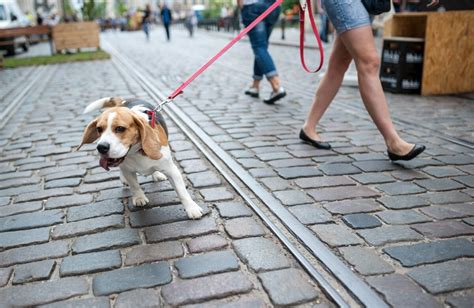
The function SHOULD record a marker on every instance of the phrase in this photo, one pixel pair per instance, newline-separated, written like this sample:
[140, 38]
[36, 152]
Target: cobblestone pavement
[70, 238]
[405, 228]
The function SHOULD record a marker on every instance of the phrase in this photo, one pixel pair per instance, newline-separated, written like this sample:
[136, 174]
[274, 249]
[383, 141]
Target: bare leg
[360, 44]
[275, 83]
[338, 63]
[255, 84]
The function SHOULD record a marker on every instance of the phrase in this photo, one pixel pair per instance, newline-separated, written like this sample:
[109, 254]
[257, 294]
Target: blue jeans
[263, 63]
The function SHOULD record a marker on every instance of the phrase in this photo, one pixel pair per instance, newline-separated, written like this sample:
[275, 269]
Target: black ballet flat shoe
[417, 150]
[315, 143]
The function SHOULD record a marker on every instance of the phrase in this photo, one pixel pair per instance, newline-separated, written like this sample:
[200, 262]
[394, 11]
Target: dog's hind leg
[158, 176]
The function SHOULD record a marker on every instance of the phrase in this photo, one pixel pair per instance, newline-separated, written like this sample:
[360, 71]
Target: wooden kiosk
[448, 64]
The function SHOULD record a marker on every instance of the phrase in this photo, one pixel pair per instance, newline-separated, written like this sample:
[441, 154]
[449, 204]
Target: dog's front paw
[194, 211]
[140, 200]
[158, 176]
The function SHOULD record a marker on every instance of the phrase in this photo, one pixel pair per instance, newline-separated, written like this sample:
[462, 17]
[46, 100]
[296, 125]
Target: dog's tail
[106, 102]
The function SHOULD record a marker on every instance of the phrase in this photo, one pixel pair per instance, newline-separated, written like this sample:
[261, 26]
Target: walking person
[146, 21]
[191, 22]
[166, 18]
[355, 41]
[259, 39]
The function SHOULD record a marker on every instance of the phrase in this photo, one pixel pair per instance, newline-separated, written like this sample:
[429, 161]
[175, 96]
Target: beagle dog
[134, 138]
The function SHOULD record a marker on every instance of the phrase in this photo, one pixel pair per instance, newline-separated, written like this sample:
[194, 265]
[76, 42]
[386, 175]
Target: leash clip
[151, 113]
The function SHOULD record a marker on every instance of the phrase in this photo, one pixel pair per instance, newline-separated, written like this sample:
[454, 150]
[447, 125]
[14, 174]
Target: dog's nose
[103, 148]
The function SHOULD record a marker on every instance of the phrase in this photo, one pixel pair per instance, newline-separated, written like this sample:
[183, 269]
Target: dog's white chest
[143, 165]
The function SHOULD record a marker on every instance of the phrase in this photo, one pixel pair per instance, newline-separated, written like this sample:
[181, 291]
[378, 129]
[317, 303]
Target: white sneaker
[253, 92]
[274, 96]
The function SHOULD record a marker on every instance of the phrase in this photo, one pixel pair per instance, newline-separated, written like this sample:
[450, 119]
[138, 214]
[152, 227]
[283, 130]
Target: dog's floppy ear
[149, 138]
[90, 133]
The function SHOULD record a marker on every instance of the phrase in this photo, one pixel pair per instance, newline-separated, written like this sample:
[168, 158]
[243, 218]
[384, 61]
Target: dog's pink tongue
[104, 163]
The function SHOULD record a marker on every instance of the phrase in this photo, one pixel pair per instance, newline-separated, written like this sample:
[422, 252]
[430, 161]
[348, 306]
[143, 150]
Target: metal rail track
[359, 291]
[35, 76]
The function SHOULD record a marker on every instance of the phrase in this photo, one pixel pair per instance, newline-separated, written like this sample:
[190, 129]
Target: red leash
[179, 90]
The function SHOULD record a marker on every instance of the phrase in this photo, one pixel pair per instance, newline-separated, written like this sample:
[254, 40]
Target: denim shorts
[346, 14]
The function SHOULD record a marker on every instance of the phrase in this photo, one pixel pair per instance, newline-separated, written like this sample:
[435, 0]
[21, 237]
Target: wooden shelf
[448, 64]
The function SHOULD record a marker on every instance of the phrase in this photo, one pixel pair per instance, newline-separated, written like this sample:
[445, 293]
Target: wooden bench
[33, 34]
[76, 35]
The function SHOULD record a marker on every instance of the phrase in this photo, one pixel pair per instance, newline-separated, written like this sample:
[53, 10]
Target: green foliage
[55, 59]
[121, 7]
[288, 5]
[93, 10]
[214, 8]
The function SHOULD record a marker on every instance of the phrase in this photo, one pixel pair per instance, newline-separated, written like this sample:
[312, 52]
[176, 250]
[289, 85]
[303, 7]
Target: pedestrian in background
[354, 40]
[166, 18]
[191, 21]
[146, 21]
[259, 39]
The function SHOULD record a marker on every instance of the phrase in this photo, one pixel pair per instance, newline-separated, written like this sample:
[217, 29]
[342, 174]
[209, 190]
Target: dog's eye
[99, 130]
[119, 129]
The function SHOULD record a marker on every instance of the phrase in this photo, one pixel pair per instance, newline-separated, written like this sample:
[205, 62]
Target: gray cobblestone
[194, 165]
[353, 206]
[447, 197]
[375, 165]
[400, 188]
[67, 201]
[260, 254]
[155, 252]
[180, 229]
[143, 276]
[262, 172]
[96, 209]
[43, 293]
[437, 251]
[243, 227]
[373, 178]
[467, 180]
[206, 288]
[38, 252]
[20, 208]
[233, 209]
[298, 172]
[389, 234]
[45, 194]
[441, 172]
[292, 197]
[361, 221]
[206, 243]
[326, 181]
[33, 271]
[204, 179]
[20, 238]
[403, 202]
[445, 277]
[138, 298]
[87, 226]
[400, 291]
[287, 287]
[439, 184]
[444, 229]
[159, 215]
[216, 194]
[31, 220]
[366, 261]
[207, 264]
[98, 302]
[90, 263]
[402, 217]
[19, 182]
[311, 214]
[106, 240]
[5, 274]
[461, 301]
[71, 182]
[275, 183]
[341, 193]
[408, 175]
[336, 235]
